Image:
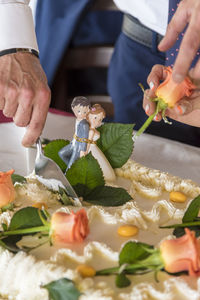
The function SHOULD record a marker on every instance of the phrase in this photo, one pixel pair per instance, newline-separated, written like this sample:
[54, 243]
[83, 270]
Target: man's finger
[175, 27]
[11, 103]
[2, 103]
[25, 100]
[188, 48]
[38, 117]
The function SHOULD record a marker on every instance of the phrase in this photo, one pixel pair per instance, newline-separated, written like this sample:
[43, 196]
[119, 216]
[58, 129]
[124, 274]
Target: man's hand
[187, 110]
[188, 12]
[24, 93]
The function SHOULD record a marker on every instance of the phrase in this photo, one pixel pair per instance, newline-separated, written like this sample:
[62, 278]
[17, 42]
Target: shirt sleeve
[16, 25]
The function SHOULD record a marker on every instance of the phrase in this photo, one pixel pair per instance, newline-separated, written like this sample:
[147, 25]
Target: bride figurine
[94, 118]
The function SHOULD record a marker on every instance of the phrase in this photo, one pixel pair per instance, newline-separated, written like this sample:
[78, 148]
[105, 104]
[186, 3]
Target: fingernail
[151, 85]
[156, 118]
[181, 109]
[147, 108]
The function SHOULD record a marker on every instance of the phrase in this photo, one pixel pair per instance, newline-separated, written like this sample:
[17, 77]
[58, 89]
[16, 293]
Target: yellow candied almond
[178, 197]
[86, 271]
[40, 205]
[127, 230]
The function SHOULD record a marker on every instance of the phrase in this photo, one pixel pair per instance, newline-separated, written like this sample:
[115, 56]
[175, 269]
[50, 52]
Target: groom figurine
[77, 147]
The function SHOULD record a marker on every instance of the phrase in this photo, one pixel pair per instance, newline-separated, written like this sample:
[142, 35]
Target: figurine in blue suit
[77, 148]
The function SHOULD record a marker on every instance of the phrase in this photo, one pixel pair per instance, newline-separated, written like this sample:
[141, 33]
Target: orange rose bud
[7, 190]
[171, 92]
[182, 254]
[69, 228]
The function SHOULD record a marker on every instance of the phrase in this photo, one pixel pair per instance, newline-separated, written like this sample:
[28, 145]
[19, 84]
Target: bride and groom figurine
[85, 136]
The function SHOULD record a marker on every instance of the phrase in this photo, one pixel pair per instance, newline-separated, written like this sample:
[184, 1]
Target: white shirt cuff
[16, 26]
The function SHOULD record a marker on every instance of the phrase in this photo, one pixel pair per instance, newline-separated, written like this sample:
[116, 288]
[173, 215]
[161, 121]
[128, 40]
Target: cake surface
[150, 208]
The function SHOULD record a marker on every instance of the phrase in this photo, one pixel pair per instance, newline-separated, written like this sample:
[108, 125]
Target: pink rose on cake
[69, 228]
[7, 190]
[182, 254]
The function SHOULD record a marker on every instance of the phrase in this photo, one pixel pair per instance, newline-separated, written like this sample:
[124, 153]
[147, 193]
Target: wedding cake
[25, 274]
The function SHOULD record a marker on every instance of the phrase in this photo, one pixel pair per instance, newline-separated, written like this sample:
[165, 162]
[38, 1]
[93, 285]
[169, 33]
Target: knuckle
[27, 93]
[35, 126]
[44, 93]
[12, 92]
[2, 85]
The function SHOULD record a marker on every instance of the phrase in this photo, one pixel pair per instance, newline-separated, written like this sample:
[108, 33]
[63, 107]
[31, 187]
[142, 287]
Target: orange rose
[171, 92]
[182, 254]
[167, 94]
[69, 228]
[7, 190]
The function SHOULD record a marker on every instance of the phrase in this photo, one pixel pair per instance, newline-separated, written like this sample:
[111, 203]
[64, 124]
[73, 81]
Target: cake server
[50, 174]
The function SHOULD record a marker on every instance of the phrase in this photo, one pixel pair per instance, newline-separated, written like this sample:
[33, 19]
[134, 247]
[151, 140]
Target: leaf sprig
[135, 259]
[189, 220]
[26, 221]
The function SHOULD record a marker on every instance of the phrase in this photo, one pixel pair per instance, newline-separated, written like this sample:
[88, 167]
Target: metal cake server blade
[50, 174]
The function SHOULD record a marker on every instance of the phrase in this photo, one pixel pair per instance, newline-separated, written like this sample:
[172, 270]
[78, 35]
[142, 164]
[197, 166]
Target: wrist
[17, 50]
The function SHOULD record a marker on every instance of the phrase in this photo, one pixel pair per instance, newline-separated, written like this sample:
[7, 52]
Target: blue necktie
[172, 53]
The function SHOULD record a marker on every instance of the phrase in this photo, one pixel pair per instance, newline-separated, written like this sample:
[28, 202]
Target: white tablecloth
[158, 153]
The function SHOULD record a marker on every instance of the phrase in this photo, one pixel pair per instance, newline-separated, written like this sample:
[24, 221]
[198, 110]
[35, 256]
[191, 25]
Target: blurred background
[76, 60]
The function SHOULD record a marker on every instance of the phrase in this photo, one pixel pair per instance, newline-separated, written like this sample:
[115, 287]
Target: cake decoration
[173, 256]
[190, 219]
[77, 148]
[7, 191]
[60, 228]
[95, 117]
[69, 228]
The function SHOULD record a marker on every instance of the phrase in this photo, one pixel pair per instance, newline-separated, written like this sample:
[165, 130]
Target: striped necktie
[172, 53]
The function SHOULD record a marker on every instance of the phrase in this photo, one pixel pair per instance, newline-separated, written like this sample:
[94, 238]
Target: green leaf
[9, 206]
[86, 171]
[18, 178]
[26, 217]
[108, 196]
[4, 226]
[62, 289]
[133, 252]
[180, 231]
[9, 243]
[116, 142]
[192, 211]
[122, 281]
[51, 150]
[64, 197]
[82, 190]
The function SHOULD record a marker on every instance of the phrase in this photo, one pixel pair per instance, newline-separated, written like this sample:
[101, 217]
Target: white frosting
[101, 247]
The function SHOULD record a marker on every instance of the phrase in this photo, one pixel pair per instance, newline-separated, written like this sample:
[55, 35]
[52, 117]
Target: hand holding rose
[185, 110]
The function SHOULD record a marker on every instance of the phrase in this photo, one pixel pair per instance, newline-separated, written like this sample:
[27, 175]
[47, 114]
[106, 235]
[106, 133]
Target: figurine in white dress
[94, 118]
